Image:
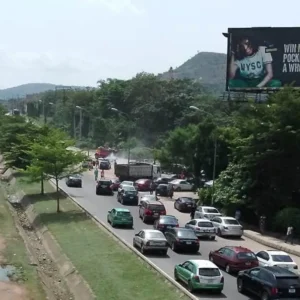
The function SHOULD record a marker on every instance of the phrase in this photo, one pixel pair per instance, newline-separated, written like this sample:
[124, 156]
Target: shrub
[289, 216]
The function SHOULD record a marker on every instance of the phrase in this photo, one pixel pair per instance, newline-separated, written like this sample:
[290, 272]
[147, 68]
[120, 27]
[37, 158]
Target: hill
[25, 89]
[209, 67]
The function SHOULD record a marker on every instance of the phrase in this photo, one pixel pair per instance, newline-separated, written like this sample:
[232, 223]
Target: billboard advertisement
[262, 59]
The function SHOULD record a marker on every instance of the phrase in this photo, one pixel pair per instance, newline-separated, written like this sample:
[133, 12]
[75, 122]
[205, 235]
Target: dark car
[161, 180]
[234, 258]
[164, 190]
[182, 239]
[143, 184]
[165, 222]
[115, 184]
[104, 165]
[185, 204]
[128, 195]
[150, 210]
[104, 187]
[74, 181]
[269, 283]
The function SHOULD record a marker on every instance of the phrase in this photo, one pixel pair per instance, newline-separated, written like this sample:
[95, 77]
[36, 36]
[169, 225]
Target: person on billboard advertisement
[250, 66]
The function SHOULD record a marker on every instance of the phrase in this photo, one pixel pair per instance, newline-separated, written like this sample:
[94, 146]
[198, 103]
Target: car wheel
[190, 286]
[108, 220]
[173, 247]
[227, 269]
[175, 206]
[212, 238]
[143, 251]
[219, 232]
[144, 219]
[112, 224]
[97, 193]
[218, 291]
[176, 275]
[133, 243]
[240, 285]
[178, 189]
[164, 252]
[265, 296]
[122, 202]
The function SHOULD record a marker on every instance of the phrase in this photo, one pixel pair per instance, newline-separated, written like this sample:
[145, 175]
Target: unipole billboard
[262, 59]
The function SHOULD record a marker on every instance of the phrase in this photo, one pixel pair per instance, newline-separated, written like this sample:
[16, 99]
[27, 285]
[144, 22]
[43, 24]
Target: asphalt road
[100, 205]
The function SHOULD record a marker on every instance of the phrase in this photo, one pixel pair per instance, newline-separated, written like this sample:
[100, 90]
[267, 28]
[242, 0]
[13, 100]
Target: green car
[120, 217]
[200, 275]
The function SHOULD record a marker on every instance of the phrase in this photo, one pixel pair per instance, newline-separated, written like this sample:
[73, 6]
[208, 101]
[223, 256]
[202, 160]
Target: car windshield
[246, 256]
[156, 207]
[281, 258]
[231, 222]
[186, 234]
[129, 188]
[205, 224]
[127, 183]
[154, 235]
[77, 176]
[123, 214]
[211, 211]
[168, 220]
[210, 272]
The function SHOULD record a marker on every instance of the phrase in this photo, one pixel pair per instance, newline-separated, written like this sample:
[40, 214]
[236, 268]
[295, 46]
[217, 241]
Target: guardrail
[130, 247]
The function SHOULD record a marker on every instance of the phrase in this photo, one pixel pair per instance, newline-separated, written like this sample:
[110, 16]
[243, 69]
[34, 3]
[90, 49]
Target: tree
[51, 158]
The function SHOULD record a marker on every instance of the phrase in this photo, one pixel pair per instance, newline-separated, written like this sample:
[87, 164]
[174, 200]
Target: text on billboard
[291, 59]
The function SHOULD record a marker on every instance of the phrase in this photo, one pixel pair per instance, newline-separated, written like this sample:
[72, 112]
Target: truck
[135, 171]
[104, 151]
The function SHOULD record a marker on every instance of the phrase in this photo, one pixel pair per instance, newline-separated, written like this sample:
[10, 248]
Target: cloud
[119, 6]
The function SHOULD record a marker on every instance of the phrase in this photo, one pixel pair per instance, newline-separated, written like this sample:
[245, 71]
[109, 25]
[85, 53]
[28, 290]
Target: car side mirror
[136, 234]
[109, 211]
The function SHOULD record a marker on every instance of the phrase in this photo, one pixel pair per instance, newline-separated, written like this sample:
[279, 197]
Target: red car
[142, 184]
[115, 184]
[234, 258]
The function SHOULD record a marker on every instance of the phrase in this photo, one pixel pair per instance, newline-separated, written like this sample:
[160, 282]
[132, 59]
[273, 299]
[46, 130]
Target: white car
[181, 185]
[130, 183]
[202, 228]
[227, 226]
[149, 197]
[207, 212]
[276, 258]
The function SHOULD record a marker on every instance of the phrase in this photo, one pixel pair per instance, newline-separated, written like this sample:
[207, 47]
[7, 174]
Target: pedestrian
[151, 187]
[262, 224]
[237, 215]
[192, 214]
[102, 173]
[290, 235]
[96, 174]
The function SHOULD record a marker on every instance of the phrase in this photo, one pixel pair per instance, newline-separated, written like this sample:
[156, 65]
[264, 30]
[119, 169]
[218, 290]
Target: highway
[100, 205]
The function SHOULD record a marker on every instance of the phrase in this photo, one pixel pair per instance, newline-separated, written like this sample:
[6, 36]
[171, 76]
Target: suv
[104, 187]
[270, 283]
[150, 210]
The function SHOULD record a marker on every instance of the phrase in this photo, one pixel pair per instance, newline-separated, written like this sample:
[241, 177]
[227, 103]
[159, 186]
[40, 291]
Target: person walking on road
[290, 235]
[192, 214]
[152, 187]
[96, 174]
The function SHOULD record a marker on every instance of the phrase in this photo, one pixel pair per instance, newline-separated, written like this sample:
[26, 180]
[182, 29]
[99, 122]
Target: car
[227, 226]
[165, 222]
[115, 184]
[149, 197]
[207, 212]
[103, 187]
[234, 258]
[151, 240]
[104, 165]
[276, 258]
[123, 183]
[202, 228]
[120, 217]
[128, 195]
[185, 204]
[164, 190]
[150, 210]
[200, 275]
[74, 180]
[269, 283]
[182, 239]
[181, 185]
[143, 184]
[162, 180]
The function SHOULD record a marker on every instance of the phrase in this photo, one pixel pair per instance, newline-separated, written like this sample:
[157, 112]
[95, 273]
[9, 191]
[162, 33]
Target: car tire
[240, 285]
[219, 232]
[143, 251]
[178, 189]
[176, 275]
[122, 202]
[175, 206]
[144, 219]
[173, 247]
[136, 203]
[227, 269]
[265, 296]
[212, 238]
[190, 286]
[108, 220]
[218, 291]
[97, 193]
[112, 224]
[164, 252]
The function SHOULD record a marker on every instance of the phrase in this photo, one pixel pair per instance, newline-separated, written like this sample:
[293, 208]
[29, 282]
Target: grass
[111, 271]
[15, 252]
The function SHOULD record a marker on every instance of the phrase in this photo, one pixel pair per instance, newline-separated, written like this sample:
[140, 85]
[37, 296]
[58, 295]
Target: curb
[135, 251]
[271, 244]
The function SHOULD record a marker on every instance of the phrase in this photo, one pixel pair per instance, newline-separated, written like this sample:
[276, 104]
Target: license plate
[156, 214]
[207, 280]
[248, 264]
[131, 197]
[292, 291]
[189, 205]
[188, 243]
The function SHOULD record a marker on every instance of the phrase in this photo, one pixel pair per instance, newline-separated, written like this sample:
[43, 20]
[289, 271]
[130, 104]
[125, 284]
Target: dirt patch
[2, 247]
[12, 291]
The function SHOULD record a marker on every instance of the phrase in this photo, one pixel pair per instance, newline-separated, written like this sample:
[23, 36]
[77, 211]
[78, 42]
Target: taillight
[177, 225]
[222, 279]
[197, 228]
[274, 291]
[148, 212]
[196, 278]
[163, 212]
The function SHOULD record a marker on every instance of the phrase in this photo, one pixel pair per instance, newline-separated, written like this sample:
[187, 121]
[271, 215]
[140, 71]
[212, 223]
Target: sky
[78, 42]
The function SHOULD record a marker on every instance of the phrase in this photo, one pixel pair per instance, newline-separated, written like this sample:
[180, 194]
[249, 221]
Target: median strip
[110, 269]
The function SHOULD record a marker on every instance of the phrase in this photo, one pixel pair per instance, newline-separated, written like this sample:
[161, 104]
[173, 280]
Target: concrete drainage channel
[183, 292]
[55, 270]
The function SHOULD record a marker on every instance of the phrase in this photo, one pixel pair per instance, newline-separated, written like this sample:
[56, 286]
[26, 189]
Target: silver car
[227, 226]
[151, 240]
[207, 212]
[202, 228]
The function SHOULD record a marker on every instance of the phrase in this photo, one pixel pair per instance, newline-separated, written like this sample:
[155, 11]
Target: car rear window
[281, 258]
[186, 234]
[154, 235]
[231, 222]
[246, 256]
[105, 183]
[156, 207]
[210, 210]
[168, 220]
[123, 213]
[184, 199]
[205, 224]
[285, 282]
[210, 272]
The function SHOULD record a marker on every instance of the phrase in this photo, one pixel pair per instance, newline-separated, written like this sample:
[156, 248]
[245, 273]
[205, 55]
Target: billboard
[262, 59]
